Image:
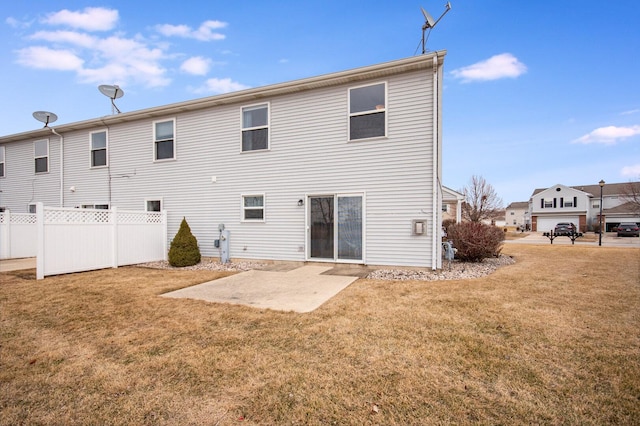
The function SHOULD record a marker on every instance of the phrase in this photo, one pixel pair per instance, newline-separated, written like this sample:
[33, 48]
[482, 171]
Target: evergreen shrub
[184, 250]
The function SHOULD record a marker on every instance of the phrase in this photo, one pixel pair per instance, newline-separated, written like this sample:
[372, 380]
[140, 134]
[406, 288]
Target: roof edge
[248, 95]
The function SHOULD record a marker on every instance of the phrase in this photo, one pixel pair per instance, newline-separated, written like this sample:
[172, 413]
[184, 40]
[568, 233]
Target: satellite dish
[429, 23]
[45, 117]
[112, 92]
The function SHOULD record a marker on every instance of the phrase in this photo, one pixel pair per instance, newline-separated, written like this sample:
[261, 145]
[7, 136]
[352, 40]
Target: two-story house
[517, 214]
[343, 167]
[581, 206]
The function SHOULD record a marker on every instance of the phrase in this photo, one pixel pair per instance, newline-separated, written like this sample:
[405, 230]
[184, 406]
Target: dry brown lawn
[552, 339]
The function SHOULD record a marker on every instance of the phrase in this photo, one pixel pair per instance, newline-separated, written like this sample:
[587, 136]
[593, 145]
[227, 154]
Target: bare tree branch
[481, 200]
[631, 194]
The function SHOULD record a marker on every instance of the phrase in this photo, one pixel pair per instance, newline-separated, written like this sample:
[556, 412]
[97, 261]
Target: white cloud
[220, 85]
[630, 112]
[45, 58]
[631, 171]
[90, 19]
[608, 135]
[196, 65]
[500, 66]
[203, 33]
[70, 37]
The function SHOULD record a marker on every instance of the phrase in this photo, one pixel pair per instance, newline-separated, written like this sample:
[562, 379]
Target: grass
[552, 339]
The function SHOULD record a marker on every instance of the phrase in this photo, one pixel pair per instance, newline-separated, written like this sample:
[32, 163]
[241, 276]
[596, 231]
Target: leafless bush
[475, 241]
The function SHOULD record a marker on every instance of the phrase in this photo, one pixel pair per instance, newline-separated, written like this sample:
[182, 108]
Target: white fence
[18, 235]
[74, 240]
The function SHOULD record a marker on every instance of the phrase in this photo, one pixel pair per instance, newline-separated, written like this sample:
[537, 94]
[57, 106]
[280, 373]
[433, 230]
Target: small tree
[184, 249]
[475, 241]
[480, 200]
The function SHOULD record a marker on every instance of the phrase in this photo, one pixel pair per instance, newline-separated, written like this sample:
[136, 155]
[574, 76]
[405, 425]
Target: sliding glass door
[335, 227]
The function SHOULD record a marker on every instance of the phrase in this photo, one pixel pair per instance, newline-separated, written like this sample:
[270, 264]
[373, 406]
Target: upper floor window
[164, 143]
[41, 155]
[1, 161]
[367, 111]
[253, 207]
[99, 149]
[445, 207]
[255, 127]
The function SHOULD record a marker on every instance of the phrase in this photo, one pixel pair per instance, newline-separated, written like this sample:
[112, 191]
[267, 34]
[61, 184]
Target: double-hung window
[41, 156]
[1, 161]
[99, 148]
[368, 111]
[255, 127]
[253, 208]
[164, 140]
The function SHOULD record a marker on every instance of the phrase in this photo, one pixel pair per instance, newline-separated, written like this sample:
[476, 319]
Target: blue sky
[535, 92]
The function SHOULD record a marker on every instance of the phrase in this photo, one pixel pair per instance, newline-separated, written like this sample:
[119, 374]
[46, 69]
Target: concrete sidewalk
[303, 289]
[7, 265]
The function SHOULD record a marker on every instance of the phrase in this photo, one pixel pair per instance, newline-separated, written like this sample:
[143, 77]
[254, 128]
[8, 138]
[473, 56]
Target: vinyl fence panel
[18, 235]
[74, 240]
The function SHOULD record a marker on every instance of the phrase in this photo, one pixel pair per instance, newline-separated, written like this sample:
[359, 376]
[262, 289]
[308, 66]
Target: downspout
[434, 179]
[61, 165]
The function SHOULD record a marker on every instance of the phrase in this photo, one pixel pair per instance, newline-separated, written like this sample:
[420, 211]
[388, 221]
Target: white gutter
[434, 185]
[61, 166]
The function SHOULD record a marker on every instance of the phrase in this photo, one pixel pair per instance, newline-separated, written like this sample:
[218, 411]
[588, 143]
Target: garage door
[546, 224]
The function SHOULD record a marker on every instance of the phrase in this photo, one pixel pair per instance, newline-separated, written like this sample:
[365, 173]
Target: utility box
[224, 246]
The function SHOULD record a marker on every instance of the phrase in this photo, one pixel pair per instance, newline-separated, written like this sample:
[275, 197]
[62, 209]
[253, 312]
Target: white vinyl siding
[308, 155]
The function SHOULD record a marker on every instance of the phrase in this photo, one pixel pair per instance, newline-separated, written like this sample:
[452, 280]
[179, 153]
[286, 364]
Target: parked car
[628, 229]
[565, 228]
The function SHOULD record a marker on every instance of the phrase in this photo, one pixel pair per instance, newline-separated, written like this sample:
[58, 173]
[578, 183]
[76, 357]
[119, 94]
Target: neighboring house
[517, 214]
[495, 219]
[580, 205]
[343, 167]
[451, 204]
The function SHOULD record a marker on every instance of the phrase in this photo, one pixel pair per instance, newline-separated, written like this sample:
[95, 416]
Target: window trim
[263, 208]
[43, 156]
[148, 199]
[384, 110]
[155, 141]
[3, 162]
[106, 149]
[267, 126]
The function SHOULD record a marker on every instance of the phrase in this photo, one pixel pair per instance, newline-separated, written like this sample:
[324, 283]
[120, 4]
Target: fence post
[8, 235]
[114, 237]
[40, 232]
[165, 250]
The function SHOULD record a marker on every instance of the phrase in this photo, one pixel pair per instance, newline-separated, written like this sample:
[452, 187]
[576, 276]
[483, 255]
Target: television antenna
[429, 22]
[45, 117]
[112, 92]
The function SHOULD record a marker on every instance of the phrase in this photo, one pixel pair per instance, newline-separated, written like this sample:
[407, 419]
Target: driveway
[302, 289]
